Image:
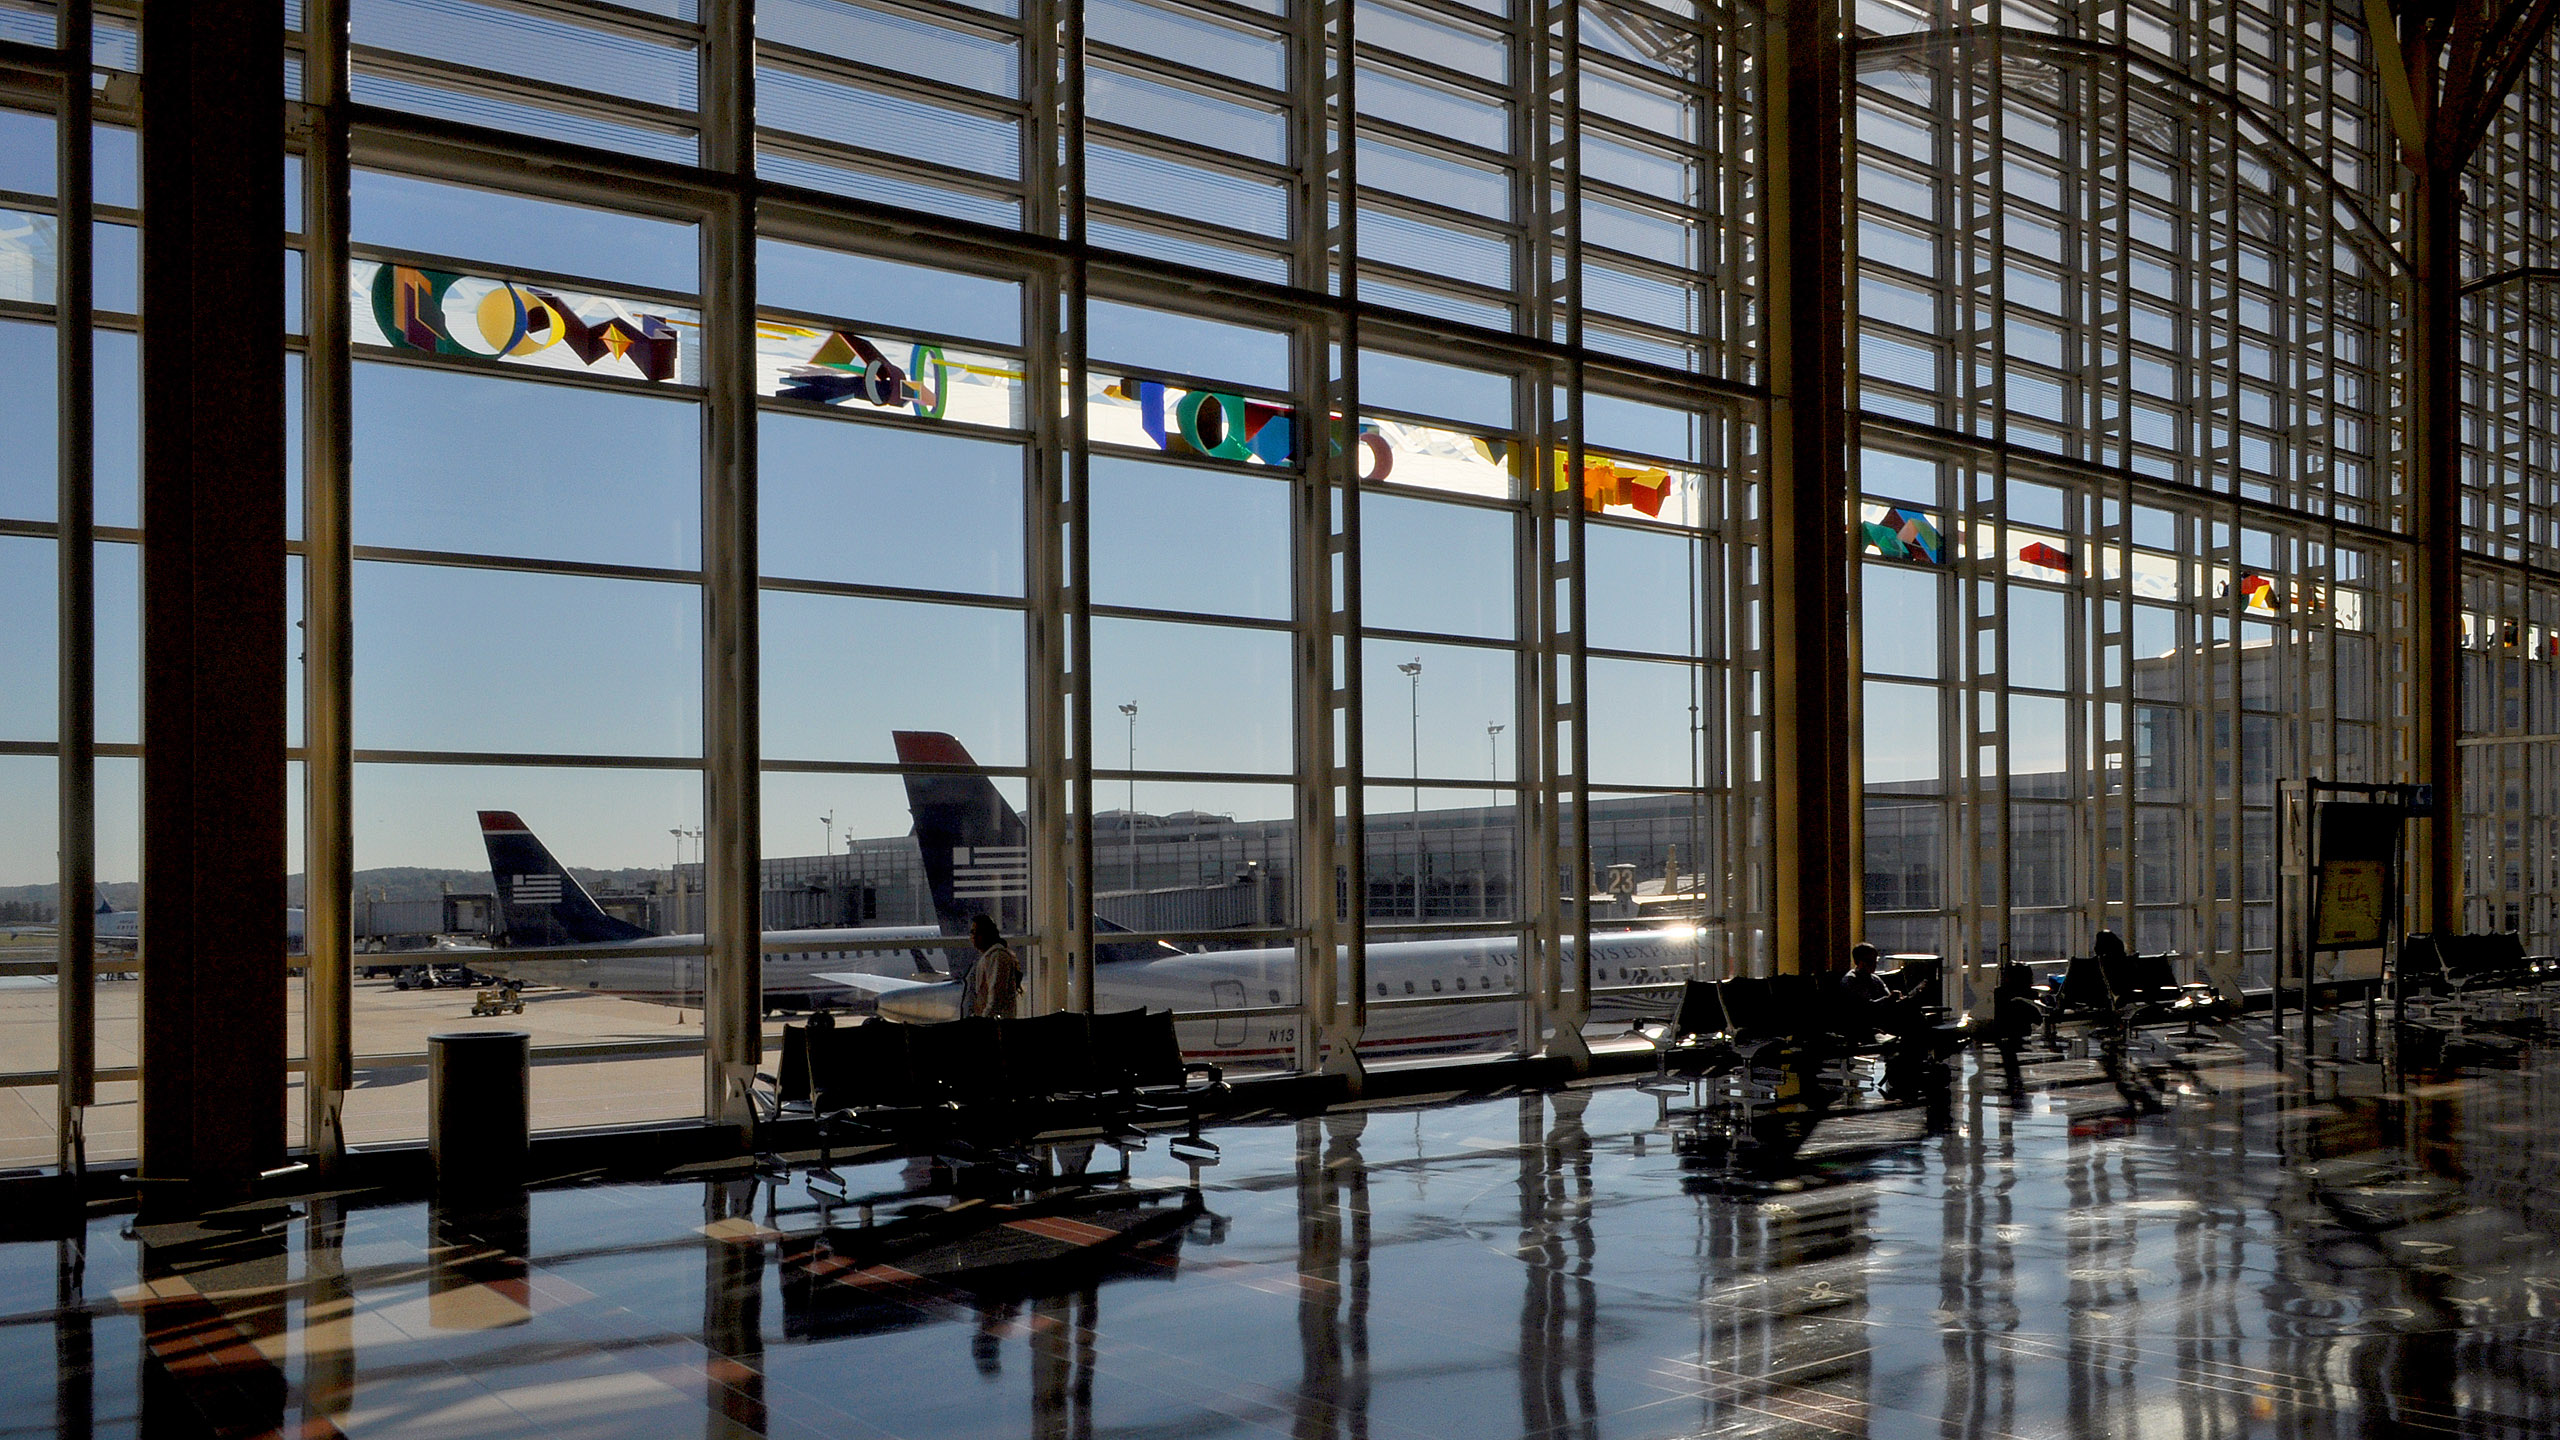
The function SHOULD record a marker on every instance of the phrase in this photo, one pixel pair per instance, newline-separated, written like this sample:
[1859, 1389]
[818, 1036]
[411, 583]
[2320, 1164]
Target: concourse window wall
[33, 537]
[894, 438]
[524, 490]
[2124, 327]
[2510, 742]
[1449, 679]
[59, 302]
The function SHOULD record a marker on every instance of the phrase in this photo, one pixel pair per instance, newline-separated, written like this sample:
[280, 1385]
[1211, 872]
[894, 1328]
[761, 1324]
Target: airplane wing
[875, 984]
[899, 998]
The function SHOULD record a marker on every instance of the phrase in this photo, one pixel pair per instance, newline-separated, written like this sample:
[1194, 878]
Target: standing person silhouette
[992, 986]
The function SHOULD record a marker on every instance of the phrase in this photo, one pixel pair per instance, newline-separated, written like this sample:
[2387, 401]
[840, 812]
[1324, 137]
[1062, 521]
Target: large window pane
[1898, 614]
[2039, 636]
[499, 660]
[843, 850]
[878, 505]
[1645, 590]
[404, 213]
[842, 674]
[1902, 736]
[29, 654]
[1435, 567]
[116, 584]
[498, 466]
[1184, 856]
[30, 906]
[116, 428]
[1454, 718]
[27, 405]
[1648, 723]
[887, 292]
[419, 838]
[1171, 537]
[1442, 856]
[1210, 697]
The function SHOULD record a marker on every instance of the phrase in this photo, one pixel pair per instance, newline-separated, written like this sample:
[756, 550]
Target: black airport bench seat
[1727, 1025]
[2452, 964]
[987, 1081]
[2125, 991]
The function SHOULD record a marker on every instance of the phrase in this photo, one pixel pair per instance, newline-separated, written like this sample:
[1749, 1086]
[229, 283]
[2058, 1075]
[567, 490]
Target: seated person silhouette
[1867, 1003]
[1870, 1003]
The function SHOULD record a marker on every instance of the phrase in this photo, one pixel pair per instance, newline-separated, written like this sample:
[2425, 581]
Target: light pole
[1413, 675]
[675, 876]
[829, 820]
[1493, 758]
[1129, 817]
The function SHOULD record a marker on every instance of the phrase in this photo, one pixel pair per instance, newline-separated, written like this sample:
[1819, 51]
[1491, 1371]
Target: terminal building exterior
[1906, 470]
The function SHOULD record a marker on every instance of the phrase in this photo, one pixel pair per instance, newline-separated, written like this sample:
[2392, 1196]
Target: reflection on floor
[2189, 1241]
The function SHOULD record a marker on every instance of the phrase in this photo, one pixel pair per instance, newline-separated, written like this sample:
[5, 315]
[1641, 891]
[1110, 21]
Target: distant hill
[395, 882]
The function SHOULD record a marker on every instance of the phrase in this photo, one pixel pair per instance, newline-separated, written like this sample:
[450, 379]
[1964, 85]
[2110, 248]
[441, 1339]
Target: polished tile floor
[2196, 1242]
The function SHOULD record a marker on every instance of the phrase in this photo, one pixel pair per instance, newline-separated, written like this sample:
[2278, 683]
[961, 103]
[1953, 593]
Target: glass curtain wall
[69, 297]
[1288, 481]
[2511, 584]
[1294, 471]
[2123, 337]
[33, 538]
[524, 485]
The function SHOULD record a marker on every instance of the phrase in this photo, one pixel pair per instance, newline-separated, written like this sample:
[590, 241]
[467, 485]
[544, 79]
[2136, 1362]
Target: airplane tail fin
[103, 907]
[539, 901]
[977, 856]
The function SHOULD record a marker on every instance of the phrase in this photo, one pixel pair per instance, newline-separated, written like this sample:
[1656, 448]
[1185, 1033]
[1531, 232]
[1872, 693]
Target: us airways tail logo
[535, 889]
[990, 872]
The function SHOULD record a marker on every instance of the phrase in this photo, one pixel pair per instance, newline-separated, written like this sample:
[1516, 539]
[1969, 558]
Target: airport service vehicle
[975, 857]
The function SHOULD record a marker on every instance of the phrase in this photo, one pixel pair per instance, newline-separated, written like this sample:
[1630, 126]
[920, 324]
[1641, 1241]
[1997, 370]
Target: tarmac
[389, 1104]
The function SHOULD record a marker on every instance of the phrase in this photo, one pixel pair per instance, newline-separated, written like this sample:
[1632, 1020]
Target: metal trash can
[479, 1124]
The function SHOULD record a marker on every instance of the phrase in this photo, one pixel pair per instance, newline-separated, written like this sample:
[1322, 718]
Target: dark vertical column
[733, 795]
[213, 614]
[1808, 544]
[75, 730]
[2435, 500]
[328, 603]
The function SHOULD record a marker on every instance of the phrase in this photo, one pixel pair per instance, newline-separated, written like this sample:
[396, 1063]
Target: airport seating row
[2455, 964]
[986, 1081]
[2121, 992]
[1727, 1024]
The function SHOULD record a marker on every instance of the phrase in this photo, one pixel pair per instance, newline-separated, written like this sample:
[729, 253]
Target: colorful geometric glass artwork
[1901, 534]
[1219, 424]
[1431, 457]
[1608, 484]
[846, 369]
[2040, 554]
[2258, 593]
[849, 367]
[441, 312]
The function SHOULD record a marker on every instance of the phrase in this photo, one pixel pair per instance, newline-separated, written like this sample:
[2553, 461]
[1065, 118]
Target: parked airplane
[976, 859]
[542, 904]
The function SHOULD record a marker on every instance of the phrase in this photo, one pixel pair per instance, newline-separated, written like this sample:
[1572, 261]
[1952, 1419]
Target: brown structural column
[213, 611]
[732, 793]
[2435, 439]
[1814, 861]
